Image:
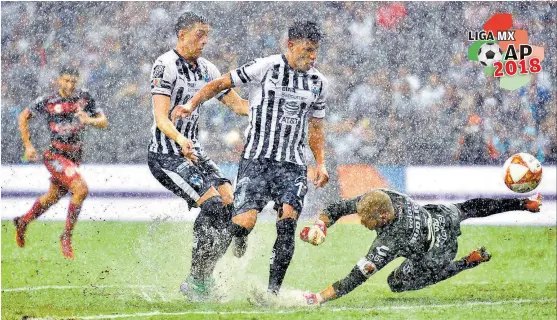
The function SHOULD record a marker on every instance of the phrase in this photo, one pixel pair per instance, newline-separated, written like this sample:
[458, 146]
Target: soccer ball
[315, 234]
[489, 53]
[522, 172]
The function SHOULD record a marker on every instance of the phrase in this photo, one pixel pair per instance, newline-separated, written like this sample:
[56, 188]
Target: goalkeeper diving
[425, 235]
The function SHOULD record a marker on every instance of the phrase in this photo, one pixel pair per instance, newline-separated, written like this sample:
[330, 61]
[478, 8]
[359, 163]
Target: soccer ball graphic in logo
[489, 53]
[522, 172]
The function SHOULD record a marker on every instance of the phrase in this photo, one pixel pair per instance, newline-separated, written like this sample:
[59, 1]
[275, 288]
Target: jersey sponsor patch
[367, 267]
[158, 72]
[379, 255]
[196, 181]
[56, 165]
[382, 250]
[70, 172]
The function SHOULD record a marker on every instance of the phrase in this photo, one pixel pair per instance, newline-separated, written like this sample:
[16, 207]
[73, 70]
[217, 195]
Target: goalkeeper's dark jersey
[415, 231]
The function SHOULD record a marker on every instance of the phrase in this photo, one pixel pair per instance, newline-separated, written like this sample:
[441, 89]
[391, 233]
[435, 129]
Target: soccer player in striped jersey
[175, 156]
[67, 111]
[427, 236]
[287, 95]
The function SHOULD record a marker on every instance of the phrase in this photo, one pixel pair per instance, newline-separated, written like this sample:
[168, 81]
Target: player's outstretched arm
[23, 122]
[100, 120]
[238, 105]
[339, 209]
[339, 288]
[161, 105]
[379, 255]
[317, 146]
[209, 91]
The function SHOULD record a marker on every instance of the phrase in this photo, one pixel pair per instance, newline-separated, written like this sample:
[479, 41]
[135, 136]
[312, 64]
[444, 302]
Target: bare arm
[317, 146]
[238, 105]
[379, 255]
[23, 122]
[209, 91]
[161, 105]
[99, 121]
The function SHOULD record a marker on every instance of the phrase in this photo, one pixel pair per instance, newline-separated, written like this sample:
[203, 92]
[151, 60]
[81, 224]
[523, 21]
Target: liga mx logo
[505, 53]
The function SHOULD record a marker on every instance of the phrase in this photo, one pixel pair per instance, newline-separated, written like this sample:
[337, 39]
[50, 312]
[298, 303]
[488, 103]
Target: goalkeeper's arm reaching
[380, 254]
[316, 234]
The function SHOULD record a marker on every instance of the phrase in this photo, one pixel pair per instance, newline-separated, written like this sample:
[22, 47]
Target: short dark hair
[305, 30]
[69, 71]
[188, 19]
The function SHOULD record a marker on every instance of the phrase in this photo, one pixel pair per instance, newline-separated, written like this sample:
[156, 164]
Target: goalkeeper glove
[313, 299]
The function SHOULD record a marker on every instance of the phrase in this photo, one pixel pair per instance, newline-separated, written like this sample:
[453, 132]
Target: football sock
[238, 231]
[212, 237]
[73, 213]
[36, 210]
[223, 237]
[477, 208]
[283, 251]
[203, 239]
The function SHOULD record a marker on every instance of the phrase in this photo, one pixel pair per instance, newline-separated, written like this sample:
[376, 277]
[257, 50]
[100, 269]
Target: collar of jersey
[193, 69]
[289, 66]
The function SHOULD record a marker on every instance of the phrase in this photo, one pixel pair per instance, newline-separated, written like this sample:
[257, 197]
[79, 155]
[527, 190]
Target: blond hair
[373, 204]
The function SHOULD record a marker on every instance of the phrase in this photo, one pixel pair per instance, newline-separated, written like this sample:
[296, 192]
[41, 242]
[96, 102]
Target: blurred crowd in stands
[404, 91]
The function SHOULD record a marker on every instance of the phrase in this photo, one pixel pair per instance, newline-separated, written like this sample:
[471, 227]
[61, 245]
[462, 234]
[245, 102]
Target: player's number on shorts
[300, 188]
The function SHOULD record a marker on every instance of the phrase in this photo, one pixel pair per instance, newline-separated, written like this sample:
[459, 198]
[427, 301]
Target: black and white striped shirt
[281, 100]
[173, 76]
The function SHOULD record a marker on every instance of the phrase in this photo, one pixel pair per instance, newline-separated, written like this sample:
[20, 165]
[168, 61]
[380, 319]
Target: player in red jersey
[67, 111]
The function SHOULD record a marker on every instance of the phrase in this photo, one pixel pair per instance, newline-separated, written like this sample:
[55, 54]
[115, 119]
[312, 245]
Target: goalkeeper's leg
[483, 207]
[415, 275]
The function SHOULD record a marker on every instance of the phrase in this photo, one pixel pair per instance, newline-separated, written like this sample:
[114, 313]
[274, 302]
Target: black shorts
[262, 180]
[187, 181]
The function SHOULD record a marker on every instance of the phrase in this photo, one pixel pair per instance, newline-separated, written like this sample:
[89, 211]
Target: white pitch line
[146, 296]
[374, 284]
[378, 308]
[74, 287]
[164, 299]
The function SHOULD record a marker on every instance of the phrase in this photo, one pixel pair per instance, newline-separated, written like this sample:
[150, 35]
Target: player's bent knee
[212, 192]
[79, 189]
[227, 199]
[227, 193]
[246, 219]
[395, 284]
[287, 212]
[48, 199]
[51, 198]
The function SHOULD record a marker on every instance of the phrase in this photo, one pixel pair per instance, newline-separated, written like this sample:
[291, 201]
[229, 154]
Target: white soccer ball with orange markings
[316, 236]
[522, 172]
